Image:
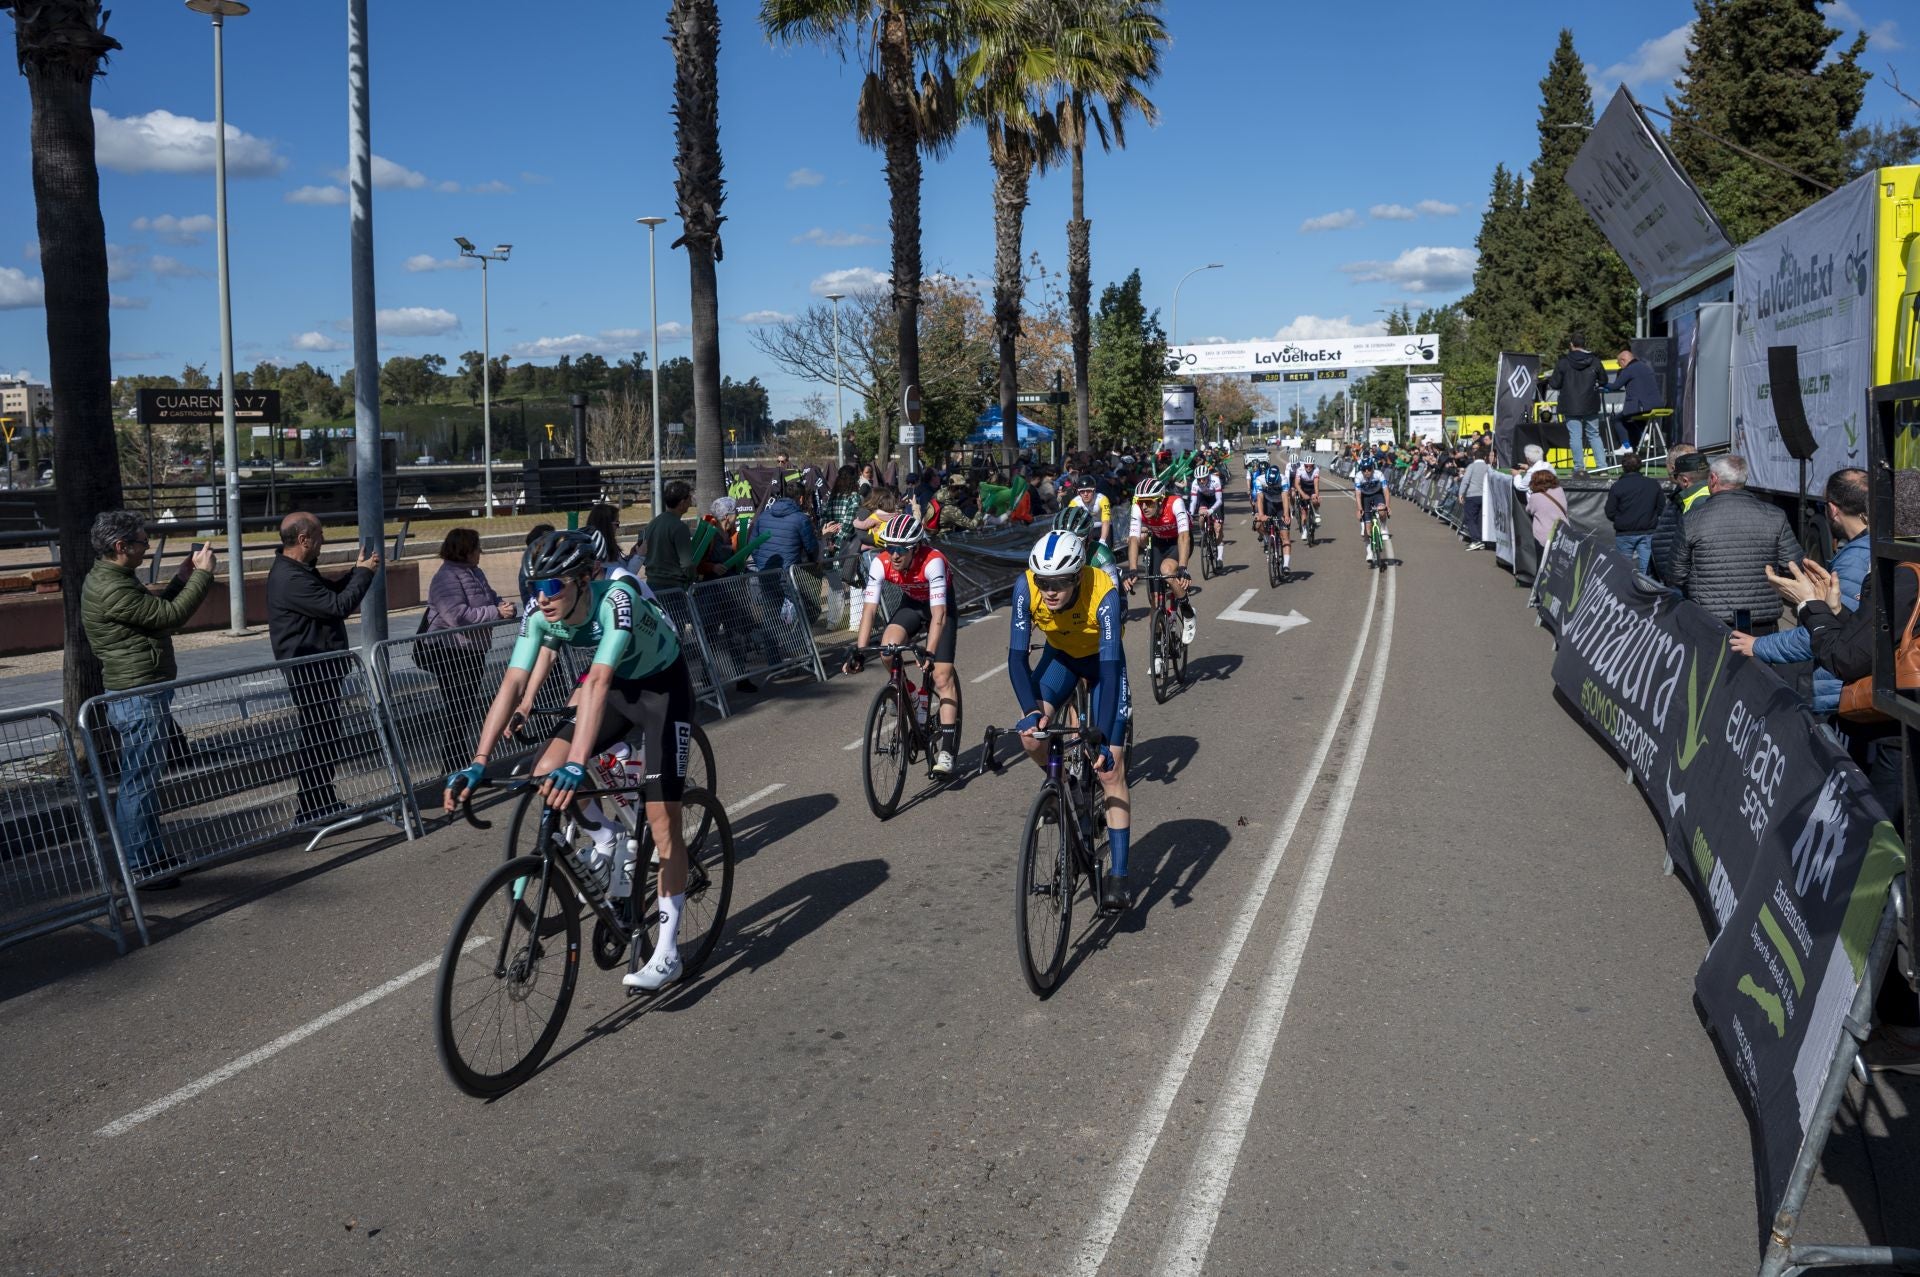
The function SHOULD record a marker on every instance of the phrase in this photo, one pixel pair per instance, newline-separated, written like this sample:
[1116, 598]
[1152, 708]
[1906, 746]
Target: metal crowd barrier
[196, 771]
[52, 874]
[754, 625]
[695, 648]
[435, 689]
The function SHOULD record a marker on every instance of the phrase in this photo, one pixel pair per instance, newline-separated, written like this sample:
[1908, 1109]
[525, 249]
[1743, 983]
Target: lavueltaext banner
[1306, 352]
[1770, 824]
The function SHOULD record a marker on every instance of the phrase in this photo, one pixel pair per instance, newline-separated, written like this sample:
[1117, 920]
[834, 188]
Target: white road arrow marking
[1237, 611]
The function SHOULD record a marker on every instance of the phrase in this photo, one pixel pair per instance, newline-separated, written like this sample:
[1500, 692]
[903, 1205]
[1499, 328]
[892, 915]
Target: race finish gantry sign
[202, 407]
[1310, 353]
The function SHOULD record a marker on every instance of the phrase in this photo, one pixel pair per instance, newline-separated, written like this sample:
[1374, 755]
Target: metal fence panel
[755, 625]
[52, 873]
[707, 686]
[198, 770]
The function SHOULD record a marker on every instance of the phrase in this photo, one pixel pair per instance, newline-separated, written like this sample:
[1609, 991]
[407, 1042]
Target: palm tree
[1108, 52]
[907, 105]
[62, 45]
[693, 28]
[1002, 79]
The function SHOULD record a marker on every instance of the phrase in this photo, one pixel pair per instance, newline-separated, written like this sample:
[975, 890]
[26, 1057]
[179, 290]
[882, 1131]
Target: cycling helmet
[1149, 489]
[559, 554]
[1075, 520]
[902, 530]
[601, 550]
[1057, 554]
[1201, 472]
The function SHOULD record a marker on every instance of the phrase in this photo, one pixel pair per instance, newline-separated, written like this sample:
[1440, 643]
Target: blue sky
[1380, 124]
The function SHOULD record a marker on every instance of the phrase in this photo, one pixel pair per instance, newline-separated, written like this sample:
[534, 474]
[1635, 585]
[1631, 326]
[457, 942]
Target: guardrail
[52, 874]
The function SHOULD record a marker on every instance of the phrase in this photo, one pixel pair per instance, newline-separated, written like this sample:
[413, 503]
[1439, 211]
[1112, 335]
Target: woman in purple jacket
[459, 595]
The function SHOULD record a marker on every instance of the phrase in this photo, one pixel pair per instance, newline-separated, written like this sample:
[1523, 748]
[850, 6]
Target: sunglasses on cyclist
[1057, 584]
[550, 588]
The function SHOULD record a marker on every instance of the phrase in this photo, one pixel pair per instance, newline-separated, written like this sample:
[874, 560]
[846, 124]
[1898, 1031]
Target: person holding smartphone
[1726, 546]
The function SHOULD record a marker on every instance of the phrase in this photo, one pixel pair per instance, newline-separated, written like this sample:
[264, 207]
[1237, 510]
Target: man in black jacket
[306, 616]
[1726, 546]
[1579, 377]
[1633, 508]
[1637, 382]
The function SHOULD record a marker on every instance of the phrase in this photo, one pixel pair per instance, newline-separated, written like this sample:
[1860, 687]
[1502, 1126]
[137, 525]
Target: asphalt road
[1406, 992]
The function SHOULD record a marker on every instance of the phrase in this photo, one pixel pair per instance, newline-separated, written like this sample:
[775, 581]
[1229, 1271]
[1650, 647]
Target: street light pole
[220, 11]
[653, 314]
[1176, 295]
[499, 254]
[839, 407]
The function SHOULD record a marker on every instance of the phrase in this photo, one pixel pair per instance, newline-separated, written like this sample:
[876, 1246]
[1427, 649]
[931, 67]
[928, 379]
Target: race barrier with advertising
[1769, 823]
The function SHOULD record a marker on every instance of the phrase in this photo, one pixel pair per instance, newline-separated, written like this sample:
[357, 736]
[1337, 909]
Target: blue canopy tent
[987, 430]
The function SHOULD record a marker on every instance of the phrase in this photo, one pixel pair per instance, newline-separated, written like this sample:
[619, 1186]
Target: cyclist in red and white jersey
[1160, 525]
[919, 572]
[1208, 498]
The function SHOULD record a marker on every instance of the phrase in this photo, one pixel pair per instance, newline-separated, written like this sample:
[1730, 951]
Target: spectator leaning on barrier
[1473, 497]
[1847, 514]
[1546, 505]
[1689, 488]
[459, 595]
[306, 616]
[131, 631]
[1727, 545]
[789, 532]
[956, 506]
[1636, 381]
[1579, 376]
[670, 564]
[1534, 460]
[1634, 503]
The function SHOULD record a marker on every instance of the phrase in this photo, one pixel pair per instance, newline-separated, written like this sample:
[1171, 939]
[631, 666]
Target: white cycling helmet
[902, 531]
[1057, 554]
[1201, 472]
[1149, 489]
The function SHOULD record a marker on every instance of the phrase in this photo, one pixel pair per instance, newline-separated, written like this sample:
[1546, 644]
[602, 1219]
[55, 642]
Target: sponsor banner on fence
[1806, 283]
[1768, 822]
[1307, 352]
[1496, 514]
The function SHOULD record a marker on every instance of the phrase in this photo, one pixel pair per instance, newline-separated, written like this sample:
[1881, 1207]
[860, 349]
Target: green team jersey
[1098, 554]
[625, 632]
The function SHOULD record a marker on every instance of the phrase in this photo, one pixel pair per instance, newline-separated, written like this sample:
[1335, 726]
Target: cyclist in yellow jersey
[1095, 503]
[1078, 608]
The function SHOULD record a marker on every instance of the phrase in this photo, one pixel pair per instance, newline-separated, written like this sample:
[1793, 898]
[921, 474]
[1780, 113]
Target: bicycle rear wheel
[507, 977]
[1043, 886]
[1206, 549]
[1162, 668]
[884, 752]
[1273, 563]
[703, 915]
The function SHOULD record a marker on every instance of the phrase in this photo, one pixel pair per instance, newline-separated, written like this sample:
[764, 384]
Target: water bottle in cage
[920, 707]
[621, 885]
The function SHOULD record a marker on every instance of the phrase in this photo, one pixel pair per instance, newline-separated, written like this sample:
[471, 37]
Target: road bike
[1167, 649]
[1308, 515]
[1211, 548]
[507, 977]
[1379, 544]
[1278, 573]
[903, 726]
[522, 829]
[1065, 841]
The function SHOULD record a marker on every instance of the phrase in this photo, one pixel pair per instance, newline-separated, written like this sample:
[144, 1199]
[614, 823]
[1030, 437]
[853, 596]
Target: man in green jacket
[131, 631]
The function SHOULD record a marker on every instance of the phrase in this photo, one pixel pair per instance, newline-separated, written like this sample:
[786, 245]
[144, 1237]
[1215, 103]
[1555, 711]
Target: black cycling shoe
[1115, 895]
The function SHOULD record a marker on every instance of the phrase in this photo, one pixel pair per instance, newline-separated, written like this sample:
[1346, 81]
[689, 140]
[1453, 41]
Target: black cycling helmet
[559, 554]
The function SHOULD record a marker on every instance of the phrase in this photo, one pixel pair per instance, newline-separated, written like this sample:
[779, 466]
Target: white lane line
[121, 1125]
[1132, 1162]
[855, 743]
[1185, 1251]
[1001, 668]
[734, 809]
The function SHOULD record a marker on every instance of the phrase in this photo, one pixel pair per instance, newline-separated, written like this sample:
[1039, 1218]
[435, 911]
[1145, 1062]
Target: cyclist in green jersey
[1075, 519]
[636, 689]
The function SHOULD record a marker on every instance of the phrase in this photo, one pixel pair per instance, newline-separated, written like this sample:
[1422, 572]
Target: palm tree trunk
[694, 32]
[1012, 170]
[61, 48]
[1080, 290]
[903, 189]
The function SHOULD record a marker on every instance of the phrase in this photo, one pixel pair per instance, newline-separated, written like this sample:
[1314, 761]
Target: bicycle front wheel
[507, 977]
[1206, 552]
[1163, 671]
[884, 754]
[1273, 564]
[1043, 885]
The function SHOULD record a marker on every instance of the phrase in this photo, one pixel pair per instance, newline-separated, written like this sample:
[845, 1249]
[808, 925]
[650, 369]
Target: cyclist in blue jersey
[1371, 501]
[637, 689]
[1079, 609]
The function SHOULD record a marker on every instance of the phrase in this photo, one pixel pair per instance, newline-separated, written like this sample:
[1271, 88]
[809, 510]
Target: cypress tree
[1754, 76]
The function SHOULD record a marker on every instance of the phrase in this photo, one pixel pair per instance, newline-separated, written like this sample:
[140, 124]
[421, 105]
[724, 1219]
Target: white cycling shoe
[943, 764]
[655, 975]
[1189, 627]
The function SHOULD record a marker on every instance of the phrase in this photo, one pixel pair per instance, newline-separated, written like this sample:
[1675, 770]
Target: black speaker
[1660, 355]
[1783, 388]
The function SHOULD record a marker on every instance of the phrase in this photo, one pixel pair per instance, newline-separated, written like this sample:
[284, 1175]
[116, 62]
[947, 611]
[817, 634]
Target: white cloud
[764, 317]
[1437, 208]
[623, 335]
[162, 142]
[608, 341]
[804, 177]
[1885, 36]
[448, 187]
[20, 291]
[119, 302]
[1215, 340]
[1656, 62]
[316, 195]
[388, 176]
[1301, 327]
[673, 330]
[854, 279]
[1392, 213]
[1330, 221]
[427, 261]
[834, 239]
[122, 263]
[315, 341]
[495, 187]
[416, 321]
[1419, 270]
[173, 268]
[177, 230]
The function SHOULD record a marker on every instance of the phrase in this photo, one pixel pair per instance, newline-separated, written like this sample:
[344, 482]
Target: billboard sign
[1312, 353]
[202, 407]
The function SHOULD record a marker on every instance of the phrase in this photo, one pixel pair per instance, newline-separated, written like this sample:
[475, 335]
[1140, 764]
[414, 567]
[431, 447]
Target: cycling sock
[603, 833]
[670, 907]
[950, 738]
[1286, 558]
[1118, 841]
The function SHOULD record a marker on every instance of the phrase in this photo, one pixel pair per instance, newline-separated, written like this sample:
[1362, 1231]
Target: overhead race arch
[1311, 352]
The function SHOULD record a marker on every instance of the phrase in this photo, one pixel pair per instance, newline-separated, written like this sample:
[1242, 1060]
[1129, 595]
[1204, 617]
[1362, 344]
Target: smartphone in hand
[1743, 620]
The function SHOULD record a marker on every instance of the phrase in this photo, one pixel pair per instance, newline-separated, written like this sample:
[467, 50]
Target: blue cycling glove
[467, 777]
[1028, 723]
[567, 777]
[1106, 759]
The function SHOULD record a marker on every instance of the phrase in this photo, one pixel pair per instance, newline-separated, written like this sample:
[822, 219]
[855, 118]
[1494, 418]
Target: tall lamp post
[839, 409]
[1176, 295]
[220, 11]
[499, 254]
[653, 315]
